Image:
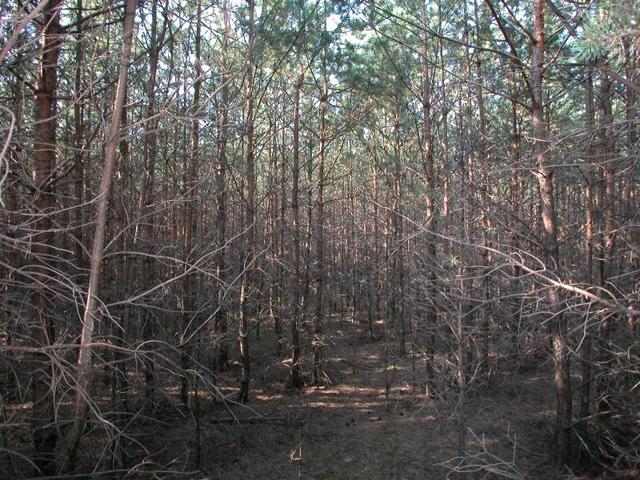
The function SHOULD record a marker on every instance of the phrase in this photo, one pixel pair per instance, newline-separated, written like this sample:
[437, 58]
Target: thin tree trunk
[429, 171]
[246, 290]
[148, 233]
[220, 321]
[320, 247]
[78, 156]
[515, 197]
[89, 317]
[398, 230]
[44, 155]
[295, 381]
[190, 221]
[562, 377]
[585, 390]
[485, 322]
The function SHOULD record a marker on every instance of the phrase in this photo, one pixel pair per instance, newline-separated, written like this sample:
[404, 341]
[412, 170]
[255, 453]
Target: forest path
[350, 429]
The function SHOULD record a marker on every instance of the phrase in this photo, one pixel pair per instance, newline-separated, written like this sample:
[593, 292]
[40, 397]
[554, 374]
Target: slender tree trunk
[295, 381]
[585, 390]
[631, 113]
[190, 221]
[515, 196]
[78, 156]
[630, 187]
[320, 247]
[562, 376]
[606, 159]
[44, 156]
[129, 277]
[275, 285]
[398, 230]
[485, 322]
[89, 317]
[246, 289]
[309, 267]
[429, 170]
[220, 321]
[148, 232]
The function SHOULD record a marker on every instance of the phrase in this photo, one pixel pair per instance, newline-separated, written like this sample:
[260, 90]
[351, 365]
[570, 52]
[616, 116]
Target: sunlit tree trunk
[89, 317]
[562, 377]
[246, 288]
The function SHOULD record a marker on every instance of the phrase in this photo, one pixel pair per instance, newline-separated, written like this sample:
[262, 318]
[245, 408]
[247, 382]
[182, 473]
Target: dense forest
[311, 239]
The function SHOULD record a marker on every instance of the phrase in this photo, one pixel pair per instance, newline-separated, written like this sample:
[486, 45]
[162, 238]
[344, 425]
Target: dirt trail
[352, 430]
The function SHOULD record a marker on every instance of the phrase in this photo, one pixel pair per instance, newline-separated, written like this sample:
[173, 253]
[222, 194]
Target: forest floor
[353, 429]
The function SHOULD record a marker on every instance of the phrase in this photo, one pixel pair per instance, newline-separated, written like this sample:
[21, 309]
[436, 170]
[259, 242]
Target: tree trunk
[44, 156]
[295, 381]
[78, 156]
[585, 390]
[246, 290]
[190, 221]
[89, 317]
[429, 172]
[398, 230]
[148, 232]
[319, 290]
[220, 321]
[562, 377]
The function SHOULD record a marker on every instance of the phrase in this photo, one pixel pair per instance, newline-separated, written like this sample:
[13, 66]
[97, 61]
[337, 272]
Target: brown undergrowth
[367, 422]
[353, 428]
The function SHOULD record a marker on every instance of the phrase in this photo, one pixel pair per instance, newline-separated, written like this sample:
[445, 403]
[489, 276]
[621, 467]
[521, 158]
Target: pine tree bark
[220, 320]
[78, 156]
[398, 229]
[295, 380]
[149, 153]
[246, 289]
[429, 170]
[191, 218]
[562, 377]
[44, 155]
[585, 354]
[320, 218]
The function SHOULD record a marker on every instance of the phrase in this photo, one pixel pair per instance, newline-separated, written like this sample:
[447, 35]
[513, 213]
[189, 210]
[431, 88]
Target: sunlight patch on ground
[346, 390]
[332, 405]
[263, 397]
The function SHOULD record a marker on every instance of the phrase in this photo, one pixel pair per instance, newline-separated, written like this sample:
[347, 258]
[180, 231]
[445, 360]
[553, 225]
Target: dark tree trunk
[295, 380]
[220, 320]
[44, 156]
[191, 220]
[320, 247]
